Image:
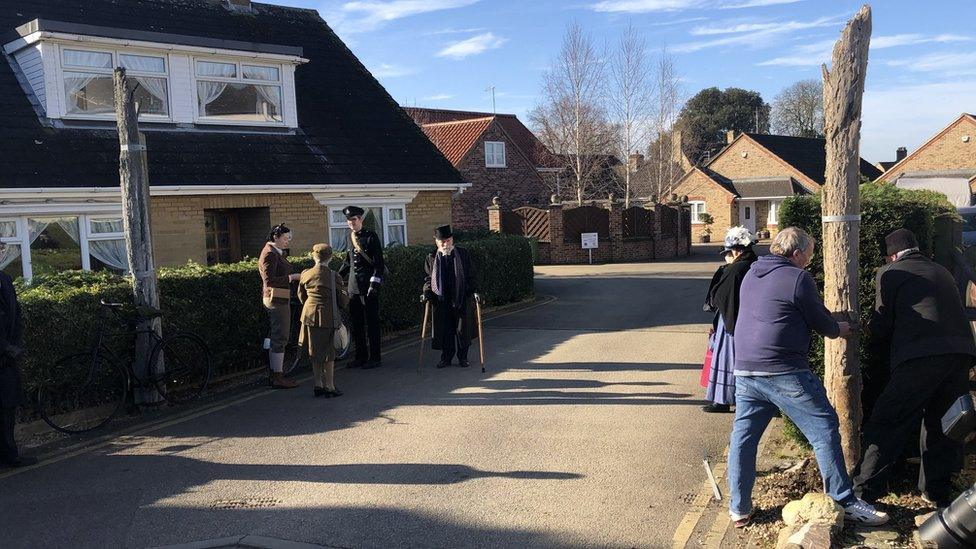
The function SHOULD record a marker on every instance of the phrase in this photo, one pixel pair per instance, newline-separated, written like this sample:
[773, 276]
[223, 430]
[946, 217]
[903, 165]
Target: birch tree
[666, 145]
[631, 100]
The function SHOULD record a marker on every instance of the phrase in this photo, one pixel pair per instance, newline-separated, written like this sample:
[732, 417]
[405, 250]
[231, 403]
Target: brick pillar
[652, 254]
[616, 229]
[495, 215]
[556, 244]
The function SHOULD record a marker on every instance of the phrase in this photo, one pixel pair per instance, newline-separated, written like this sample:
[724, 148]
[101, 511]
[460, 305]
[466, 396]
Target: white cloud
[472, 46]
[386, 70]
[813, 54]
[957, 63]
[367, 15]
[896, 40]
[439, 97]
[650, 6]
[752, 34]
[455, 31]
[888, 124]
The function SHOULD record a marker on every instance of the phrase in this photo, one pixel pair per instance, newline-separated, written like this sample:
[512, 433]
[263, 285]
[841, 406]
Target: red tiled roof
[522, 136]
[455, 139]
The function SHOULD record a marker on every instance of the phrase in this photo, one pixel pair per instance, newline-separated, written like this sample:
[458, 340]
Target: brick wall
[719, 203]
[518, 183]
[756, 163]
[428, 210]
[948, 152]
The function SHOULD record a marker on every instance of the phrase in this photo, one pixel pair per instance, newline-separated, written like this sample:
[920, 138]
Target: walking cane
[481, 337]
[423, 334]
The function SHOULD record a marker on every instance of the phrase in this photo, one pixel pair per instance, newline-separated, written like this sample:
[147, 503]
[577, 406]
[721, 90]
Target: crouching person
[779, 307]
[321, 293]
[451, 286]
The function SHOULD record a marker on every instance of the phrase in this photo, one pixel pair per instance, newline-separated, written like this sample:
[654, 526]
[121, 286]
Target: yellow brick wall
[718, 202]
[178, 222]
[429, 209]
[756, 163]
[947, 152]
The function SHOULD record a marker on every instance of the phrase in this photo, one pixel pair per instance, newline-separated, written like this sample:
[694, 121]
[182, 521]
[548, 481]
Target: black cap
[443, 232]
[352, 211]
[900, 240]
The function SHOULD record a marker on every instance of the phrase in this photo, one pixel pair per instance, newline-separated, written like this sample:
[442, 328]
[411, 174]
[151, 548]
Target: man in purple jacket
[779, 306]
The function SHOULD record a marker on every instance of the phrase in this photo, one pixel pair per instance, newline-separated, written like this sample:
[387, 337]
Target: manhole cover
[244, 503]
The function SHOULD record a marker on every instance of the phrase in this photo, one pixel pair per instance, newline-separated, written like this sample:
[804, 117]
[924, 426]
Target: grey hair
[790, 240]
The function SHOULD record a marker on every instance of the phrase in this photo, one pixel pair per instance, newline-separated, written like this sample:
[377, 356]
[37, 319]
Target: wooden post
[843, 89]
[134, 179]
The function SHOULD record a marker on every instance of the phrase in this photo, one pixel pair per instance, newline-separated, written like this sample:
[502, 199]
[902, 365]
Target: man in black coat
[11, 347]
[451, 286]
[365, 271]
[920, 317]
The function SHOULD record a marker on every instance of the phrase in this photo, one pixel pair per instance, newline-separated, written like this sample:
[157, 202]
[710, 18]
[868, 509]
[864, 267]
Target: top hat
[443, 232]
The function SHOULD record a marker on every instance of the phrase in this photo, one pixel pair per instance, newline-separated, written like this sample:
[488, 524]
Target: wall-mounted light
[965, 139]
[745, 154]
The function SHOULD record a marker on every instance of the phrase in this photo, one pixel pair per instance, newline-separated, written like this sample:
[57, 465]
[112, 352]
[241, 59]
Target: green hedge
[884, 208]
[223, 305]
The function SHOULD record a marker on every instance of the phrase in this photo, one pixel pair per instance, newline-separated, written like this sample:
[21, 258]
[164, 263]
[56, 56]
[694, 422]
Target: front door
[223, 236]
[747, 214]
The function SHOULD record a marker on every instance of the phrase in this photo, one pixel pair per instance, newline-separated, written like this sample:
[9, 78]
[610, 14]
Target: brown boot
[279, 381]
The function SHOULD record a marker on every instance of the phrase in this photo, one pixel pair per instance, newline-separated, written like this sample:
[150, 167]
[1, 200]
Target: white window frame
[773, 217]
[387, 222]
[166, 75]
[84, 232]
[216, 120]
[698, 207]
[492, 157]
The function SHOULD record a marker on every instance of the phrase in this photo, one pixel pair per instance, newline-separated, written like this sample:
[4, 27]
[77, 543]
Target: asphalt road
[585, 432]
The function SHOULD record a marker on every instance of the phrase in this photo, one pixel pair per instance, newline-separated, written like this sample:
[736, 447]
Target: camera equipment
[955, 526]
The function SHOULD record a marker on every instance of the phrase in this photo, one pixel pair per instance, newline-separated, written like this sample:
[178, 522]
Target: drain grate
[245, 503]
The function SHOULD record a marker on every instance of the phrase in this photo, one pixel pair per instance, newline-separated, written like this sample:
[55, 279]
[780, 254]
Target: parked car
[968, 215]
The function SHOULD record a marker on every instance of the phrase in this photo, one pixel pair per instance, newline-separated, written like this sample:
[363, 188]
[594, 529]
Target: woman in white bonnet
[723, 299]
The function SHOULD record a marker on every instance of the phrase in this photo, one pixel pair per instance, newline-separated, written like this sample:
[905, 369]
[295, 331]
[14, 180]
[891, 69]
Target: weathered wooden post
[841, 207]
[134, 179]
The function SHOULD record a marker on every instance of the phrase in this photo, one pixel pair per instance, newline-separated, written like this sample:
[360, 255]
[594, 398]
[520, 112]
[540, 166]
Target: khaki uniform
[318, 322]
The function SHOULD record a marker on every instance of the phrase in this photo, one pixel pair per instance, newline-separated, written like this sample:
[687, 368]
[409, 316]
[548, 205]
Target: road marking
[713, 540]
[690, 521]
[139, 430]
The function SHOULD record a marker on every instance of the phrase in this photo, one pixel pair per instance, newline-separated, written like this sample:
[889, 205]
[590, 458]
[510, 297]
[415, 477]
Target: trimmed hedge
[222, 303]
[884, 208]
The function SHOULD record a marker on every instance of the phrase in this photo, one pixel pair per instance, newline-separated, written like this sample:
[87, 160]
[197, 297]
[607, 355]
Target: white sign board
[590, 241]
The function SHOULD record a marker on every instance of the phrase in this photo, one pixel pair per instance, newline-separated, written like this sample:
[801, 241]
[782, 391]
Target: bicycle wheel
[345, 344]
[85, 395]
[295, 358]
[186, 367]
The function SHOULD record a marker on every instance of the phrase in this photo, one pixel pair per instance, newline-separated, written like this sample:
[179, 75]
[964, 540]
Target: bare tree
[570, 118]
[631, 100]
[798, 110]
[665, 149]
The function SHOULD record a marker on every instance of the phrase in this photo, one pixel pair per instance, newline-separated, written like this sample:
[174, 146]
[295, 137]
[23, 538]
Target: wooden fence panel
[585, 219]
[669, 220]
[637, 223]
[527, 221]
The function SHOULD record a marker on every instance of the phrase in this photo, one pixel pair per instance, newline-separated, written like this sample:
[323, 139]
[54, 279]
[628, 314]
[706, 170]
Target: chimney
[635, 161]
[729, 136]
[900, 154]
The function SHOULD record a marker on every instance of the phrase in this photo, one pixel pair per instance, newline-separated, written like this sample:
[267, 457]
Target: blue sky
[445, 53]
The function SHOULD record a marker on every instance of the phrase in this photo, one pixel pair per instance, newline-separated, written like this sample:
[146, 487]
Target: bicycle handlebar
[108, 304]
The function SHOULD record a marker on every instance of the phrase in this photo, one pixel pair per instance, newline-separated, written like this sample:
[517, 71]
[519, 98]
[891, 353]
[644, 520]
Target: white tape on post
[840, 218]
[133, 147]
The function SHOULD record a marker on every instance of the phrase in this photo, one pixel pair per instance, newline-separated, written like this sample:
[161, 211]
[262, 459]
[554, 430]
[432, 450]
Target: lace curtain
[155, 86]
[109, 252]
[270, 94]
[208, 91]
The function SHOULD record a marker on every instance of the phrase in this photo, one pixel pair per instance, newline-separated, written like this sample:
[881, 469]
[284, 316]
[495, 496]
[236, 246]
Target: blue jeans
[801, 397]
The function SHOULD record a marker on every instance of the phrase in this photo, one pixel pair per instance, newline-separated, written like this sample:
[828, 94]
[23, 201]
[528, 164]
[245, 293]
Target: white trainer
[864, 513]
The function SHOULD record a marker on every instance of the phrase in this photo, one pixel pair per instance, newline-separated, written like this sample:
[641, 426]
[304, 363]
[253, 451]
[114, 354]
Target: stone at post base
[816, 508]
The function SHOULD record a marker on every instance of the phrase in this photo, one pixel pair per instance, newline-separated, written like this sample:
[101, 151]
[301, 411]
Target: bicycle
[295, 356]
[91, 388]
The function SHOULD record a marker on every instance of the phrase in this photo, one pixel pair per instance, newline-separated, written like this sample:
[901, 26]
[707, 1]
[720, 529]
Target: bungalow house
[495, 153]
[945, 163]
[745, 183]
[253, 114]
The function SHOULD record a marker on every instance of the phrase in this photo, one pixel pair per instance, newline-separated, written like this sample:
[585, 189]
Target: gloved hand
[373, 291]
[423, 298]
[478, 299]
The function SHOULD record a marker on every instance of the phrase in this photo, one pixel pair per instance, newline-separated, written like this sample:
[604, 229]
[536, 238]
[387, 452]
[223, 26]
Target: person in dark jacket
[918, 315]
[276, 279]
[779, 307]
[451, 288]
[723, 299]
[365, 271]
[11, 349]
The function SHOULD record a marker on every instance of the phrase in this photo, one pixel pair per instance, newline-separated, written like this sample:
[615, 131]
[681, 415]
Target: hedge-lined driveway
[584, 432]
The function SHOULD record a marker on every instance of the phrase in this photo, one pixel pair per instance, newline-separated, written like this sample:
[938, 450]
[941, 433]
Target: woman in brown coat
[321, 291]
[276, 279]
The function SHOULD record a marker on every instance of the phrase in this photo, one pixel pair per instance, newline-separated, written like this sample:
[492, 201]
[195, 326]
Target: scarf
[437, 279]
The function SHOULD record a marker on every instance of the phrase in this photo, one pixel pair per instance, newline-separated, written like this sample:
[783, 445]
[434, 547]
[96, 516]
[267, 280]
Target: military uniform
[364, 270]
[11, 345]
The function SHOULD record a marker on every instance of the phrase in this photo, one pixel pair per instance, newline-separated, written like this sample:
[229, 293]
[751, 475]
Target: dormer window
[88, 86]
[238, 92]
